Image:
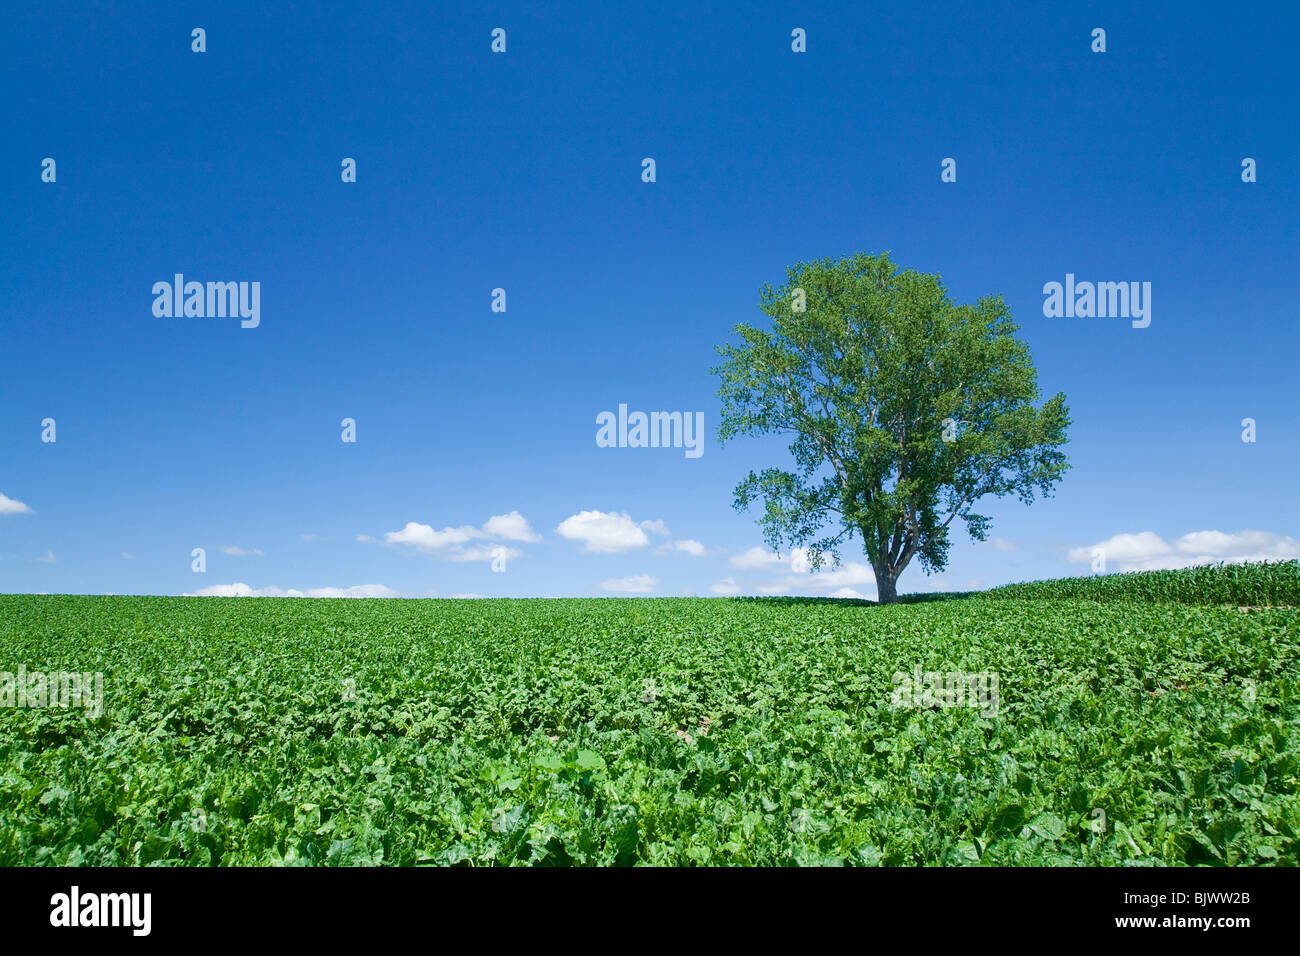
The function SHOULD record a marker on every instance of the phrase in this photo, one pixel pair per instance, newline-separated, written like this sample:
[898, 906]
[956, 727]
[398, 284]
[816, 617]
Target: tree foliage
[905, 410]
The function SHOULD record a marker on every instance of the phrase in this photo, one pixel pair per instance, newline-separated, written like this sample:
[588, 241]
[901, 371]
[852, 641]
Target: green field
[1133, 725]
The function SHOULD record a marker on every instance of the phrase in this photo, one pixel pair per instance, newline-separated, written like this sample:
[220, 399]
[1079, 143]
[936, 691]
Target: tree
[906, 410]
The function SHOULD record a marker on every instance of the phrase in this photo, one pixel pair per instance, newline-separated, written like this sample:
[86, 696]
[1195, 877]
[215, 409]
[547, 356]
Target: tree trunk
[886, 587]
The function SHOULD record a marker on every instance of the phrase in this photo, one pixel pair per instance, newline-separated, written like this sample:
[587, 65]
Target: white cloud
[655, 527]
[312, 538]
[237, 552]
[47, 558]
[356, 591]
[606, 533]
[727, 586]
[850, 579]
[127, 557]
[367, 539]
[691, 547]
[8, 506]
[1123, 549]
[450, 542]
[423, 536]
[1002, 544]
[636, 584]
[1147, 551]
[240, 589]
[1275, 546]
[756, 557]
[848, 574]
[484, 552]
[844, 581]
[511, 527]
[466, 597]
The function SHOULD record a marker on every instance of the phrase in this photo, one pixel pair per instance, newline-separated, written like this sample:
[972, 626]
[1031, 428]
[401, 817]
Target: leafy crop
[673, 731]
[1246, 585]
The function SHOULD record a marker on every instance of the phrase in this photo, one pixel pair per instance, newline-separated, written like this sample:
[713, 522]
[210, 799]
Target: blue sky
[522, 171]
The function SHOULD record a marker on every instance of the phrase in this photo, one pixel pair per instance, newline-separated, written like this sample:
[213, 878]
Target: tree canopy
[905, 410]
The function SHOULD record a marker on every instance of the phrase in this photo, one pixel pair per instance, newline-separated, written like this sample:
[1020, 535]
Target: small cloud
[8, 506]
[425, 538]
[511, 527]
[1002, 544]
[636, 584]
[727, 586]
[127, 557]
[450, 542]
[484, 552]
[237, 552]
[240, 589]
[356, 591]
[367, 539]
[655, 527]
[691, 547]
[1241, 546]
[47, 558]
[850, 579]
[848, 574]
[1147, 551]
[313, 538]
[1124, 549]
[466, 597]
[605, 533]
[756, 557]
